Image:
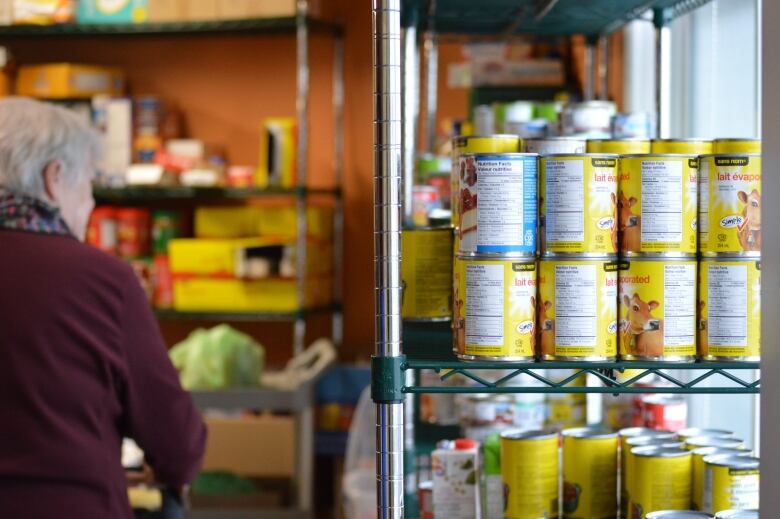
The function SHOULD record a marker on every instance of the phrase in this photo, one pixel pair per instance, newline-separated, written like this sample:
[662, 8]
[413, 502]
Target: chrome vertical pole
[411, 108]
[304, 417]
[338, 209]
[663, 69]
[431, 55]
[590, 76]
[301, 166]
[603, 67]
[387, 247]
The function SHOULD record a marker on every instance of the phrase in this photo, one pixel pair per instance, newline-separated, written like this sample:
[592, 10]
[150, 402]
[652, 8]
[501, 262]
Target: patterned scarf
[24, 213]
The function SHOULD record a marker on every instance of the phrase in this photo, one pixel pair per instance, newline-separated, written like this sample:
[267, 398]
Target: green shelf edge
[252, 26]
[179, 193]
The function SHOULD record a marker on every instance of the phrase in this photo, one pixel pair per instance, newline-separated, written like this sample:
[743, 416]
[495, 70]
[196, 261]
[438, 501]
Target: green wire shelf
[145, 194]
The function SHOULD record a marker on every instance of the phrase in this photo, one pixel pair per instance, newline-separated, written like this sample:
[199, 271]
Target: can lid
[659, 451]
[691, 432]
[589, 432]
[712, 451]
[630, 432]
[503, 155]
[628, 139]
[465, 444]
[526, 434]
[732, 462]
[654, 441]
[736, 139]
[737, 514]
[687, 139]
[711, 441]
[556, 139]
[678, 514]
[568, 256]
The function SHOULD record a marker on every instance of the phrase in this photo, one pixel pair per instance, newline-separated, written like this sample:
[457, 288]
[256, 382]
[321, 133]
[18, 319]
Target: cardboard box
[168, 10]
[261, 446]
[277, 221]
[199, 256]
[68, 81]
[112, 11]
[241, 9]
[201, 10]
[278, 150]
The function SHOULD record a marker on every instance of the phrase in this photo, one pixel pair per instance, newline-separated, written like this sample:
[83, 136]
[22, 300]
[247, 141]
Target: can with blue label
[498, 202]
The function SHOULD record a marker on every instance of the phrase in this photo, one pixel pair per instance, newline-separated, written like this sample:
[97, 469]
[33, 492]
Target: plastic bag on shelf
[218, 358]
[359, 484]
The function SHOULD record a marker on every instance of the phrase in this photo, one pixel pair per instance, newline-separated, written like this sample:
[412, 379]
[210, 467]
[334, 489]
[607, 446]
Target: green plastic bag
[218, 358]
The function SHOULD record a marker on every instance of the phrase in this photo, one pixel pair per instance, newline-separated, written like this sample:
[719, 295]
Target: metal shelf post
[337, 319]
[663, 72]
[431, 56]
[411, 111]
[387, 250]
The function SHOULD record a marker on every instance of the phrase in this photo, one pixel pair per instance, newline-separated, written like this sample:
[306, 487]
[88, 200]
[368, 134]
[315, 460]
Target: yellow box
[272, 221]
[210, 257]
[202, 294]
[68, 81]
[167, 10]
[278, 146]
[261, 446]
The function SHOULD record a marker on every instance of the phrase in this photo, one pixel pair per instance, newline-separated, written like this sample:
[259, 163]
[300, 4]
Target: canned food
[654, 439]
[494, 307]
[577, 313]
[476, 144]
[132, 232]
[101, 231]
[657, 302]
[589, 473]
[479, 410]
[588, 117]
[578, 204]
[424, 200]
[737, 514]
[619, 146]
[166, 225]
[698, 455]
[425, 496]
[729, 321]
[730, 205]
[498, 201]
[661, 481]
[657, 204]
[162, 283]
[566, 409]
[709, 441]
[546, 145]
[426, 274]
[684, 146]
[678, 514]
[691, 432]
[634, 432]
[736, 146]
[529, 470]
[730, 482]
[666, 412]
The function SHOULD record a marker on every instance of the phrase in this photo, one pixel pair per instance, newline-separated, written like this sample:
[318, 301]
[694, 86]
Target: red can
[442, 184]
[163, 283]
[425, 496]
[101, 231]
[666, 412]
[132, 232]
[424, 200]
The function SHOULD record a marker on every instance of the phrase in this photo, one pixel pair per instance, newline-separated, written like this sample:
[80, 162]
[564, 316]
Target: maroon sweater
[82, 364]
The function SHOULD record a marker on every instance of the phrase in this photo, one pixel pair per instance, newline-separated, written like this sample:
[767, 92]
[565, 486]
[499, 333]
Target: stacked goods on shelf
[639, 473]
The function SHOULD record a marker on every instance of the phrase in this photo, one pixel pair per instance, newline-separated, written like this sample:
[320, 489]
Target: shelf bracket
[387, 379]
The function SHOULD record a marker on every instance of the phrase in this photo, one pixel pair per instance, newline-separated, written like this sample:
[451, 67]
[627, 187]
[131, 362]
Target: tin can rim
[692, 432]
[672, 259]
[628, 432]
[676, 514]
[656, 451]
[589, 433]
[628, 139]
[713, 441]
[489, 136]
[729, 154]
[566, 256]
[654, 441]
[447, 227]
[659, 155]
[737, 514]
[732, 462]
[476, 256]
[683, 139]
[593, 155]
[729, 257]
[556, 138]
[508, 154]
[737, 139]
[719, 451]
[529, 434]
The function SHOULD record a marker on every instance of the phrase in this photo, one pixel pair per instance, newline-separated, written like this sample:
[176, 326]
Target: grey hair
[33, 134]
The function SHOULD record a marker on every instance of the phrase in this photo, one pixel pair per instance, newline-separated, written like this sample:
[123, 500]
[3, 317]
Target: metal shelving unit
[402, 348]
[301, 401]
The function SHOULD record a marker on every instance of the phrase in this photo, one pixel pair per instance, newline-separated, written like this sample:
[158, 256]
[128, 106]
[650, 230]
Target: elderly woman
[82, 363]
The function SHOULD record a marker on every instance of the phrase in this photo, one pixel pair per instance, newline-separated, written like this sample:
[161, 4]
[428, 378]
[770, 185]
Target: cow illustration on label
[614, 227]
[546, 329]
[749, 231]
[629, 224]
[643, 332]
[702, 330]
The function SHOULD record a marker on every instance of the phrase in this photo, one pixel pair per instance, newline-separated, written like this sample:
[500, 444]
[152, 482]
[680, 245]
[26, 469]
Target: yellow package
[210, 257]
[68, 81]
[278, 146]
[276, 221]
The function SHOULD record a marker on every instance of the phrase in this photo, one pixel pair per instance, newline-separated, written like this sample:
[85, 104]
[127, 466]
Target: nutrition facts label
[704, 200]
[500, 202]
[576, 309]
[662, 202]
[485, 305]
[727, 297]
[564, 199]
[679, 304]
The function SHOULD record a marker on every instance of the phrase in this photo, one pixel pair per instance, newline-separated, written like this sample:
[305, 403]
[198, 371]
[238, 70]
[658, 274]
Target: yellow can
[729, 322]
[577, 313]
[566, 409]
[698, 470]
[662, 481]
[476, 144]
[657, 203]
[656, 439]
[589, 473]
[698, 442]
[692, 432]
[730, 205]
[494, 307]
[657, 298]
[426, 274]
[619, 146]
[684, 146]
[730, 482]
[736, 146]
[578, 204]
[529, 470]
